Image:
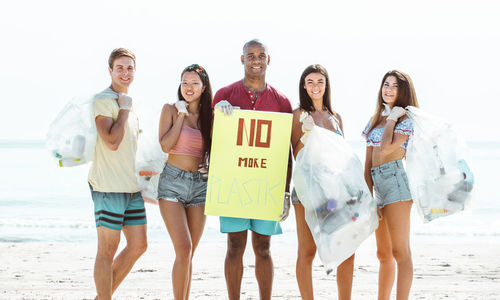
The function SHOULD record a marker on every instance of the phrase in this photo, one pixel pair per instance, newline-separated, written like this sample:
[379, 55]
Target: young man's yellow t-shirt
[114, 171]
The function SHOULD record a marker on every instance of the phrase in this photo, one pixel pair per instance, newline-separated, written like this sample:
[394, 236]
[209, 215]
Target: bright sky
[53, 51]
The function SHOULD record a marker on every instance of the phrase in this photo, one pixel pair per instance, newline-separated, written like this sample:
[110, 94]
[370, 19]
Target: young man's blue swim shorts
[115, 210]
[264, 227]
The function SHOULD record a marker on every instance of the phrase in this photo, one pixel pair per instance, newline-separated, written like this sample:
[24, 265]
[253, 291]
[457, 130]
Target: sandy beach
[445, 268]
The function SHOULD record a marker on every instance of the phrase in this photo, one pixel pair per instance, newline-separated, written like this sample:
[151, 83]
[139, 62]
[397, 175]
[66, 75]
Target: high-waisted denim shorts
[176, 185]
[390, 183]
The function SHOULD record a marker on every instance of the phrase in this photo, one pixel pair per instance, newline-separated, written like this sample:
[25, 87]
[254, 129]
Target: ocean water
[41, 202]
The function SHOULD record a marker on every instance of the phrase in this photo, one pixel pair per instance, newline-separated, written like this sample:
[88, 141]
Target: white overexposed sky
[55, 50]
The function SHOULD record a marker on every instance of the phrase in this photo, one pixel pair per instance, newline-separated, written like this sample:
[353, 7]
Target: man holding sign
[252, 93]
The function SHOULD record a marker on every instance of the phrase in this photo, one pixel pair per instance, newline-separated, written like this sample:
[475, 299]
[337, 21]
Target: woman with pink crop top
[185, 133]
[387, 135]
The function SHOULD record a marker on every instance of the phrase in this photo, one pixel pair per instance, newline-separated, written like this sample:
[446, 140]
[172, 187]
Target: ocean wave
[76, 230]
[15, 239]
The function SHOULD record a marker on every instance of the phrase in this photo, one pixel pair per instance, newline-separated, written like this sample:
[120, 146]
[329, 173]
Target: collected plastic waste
[339, 209]
[71, 137]
[440, 179]
[150, 161]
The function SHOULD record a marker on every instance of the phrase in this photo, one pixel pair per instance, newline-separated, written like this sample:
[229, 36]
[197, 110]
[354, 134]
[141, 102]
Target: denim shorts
[390, 183]
[176, 185]
[114, 210]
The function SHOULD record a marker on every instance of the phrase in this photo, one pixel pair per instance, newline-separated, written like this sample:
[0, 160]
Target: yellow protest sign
[248, 164]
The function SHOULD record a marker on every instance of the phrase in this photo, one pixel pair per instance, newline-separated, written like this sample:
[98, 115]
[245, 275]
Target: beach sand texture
[443, 270]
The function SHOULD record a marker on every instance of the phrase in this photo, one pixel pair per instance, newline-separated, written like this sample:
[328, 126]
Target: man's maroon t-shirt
[269, 99]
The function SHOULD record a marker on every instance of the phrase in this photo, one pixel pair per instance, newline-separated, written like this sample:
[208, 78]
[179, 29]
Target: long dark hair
[406, 95]
[306, 101]
[205, 119]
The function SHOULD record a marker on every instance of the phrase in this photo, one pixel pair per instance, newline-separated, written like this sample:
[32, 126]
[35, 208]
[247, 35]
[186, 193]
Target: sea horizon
[41, 202]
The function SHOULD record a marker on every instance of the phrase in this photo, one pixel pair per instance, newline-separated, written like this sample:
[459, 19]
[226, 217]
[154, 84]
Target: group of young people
[185, 130]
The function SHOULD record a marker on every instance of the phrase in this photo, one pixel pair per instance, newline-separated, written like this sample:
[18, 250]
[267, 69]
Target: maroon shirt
[269, 99]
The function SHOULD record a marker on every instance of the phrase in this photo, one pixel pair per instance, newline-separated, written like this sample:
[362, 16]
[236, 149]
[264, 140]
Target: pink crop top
[189, 142]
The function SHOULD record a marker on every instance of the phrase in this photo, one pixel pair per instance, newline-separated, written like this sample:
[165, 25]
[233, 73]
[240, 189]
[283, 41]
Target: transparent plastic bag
[339, 209]
[72, 136]
[440, 179]
[150, 161]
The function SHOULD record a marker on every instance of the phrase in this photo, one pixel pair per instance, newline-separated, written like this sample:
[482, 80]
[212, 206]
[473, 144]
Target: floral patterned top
[374, 137]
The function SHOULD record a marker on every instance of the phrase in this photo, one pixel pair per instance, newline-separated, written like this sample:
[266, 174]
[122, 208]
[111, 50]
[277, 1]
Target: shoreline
[443, 269]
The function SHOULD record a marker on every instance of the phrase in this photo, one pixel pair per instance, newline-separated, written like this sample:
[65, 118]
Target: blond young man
[118, 204]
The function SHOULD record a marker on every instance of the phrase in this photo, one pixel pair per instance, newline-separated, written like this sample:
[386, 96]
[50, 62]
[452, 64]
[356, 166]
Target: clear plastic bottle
[78, 145]
[442, 171]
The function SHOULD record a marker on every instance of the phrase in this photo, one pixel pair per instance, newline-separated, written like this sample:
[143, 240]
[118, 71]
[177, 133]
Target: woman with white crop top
[185, 133]
[315, 109]
[387, 134]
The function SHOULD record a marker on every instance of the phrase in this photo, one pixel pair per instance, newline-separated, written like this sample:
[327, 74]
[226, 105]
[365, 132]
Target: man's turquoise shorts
[115, 210]
[264, 227]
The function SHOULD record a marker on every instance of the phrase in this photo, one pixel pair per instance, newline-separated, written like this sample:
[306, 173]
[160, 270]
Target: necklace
[254, 92]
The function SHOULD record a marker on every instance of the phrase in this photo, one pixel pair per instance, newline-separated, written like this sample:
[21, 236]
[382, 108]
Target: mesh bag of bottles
[71, 137]
[339, 209]
[150, 161]
[440, 179]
